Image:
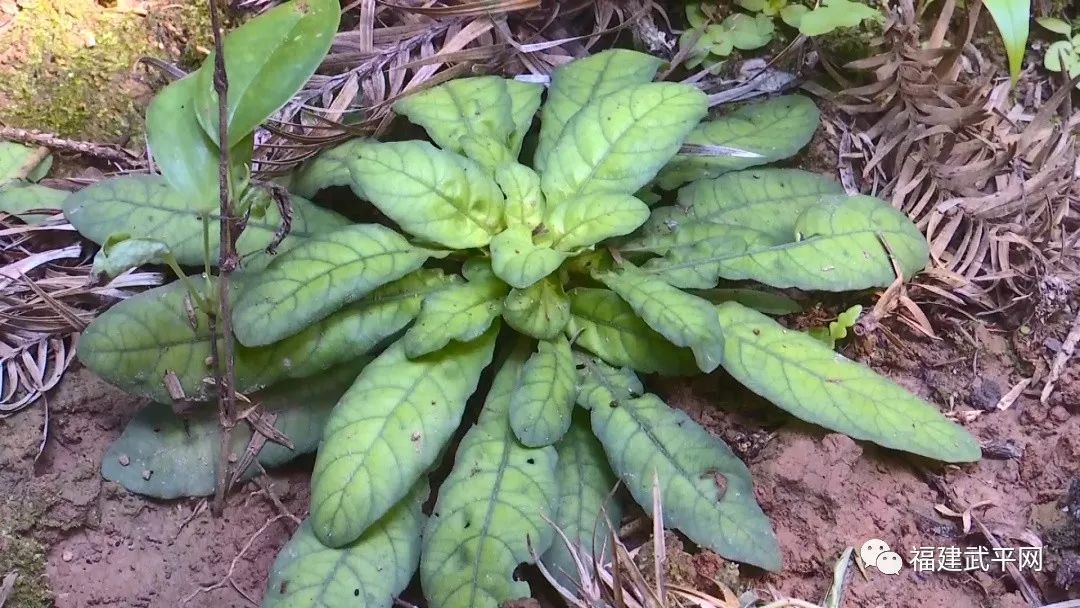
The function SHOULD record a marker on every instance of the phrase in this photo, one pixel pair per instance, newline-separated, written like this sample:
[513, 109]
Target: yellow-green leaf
[582, 222]
[544, 397]
[461, 312]
[540, 310]
[518, 261]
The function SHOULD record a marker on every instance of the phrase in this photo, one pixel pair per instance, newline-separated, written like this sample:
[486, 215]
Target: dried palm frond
[990, 180]
[47, 298]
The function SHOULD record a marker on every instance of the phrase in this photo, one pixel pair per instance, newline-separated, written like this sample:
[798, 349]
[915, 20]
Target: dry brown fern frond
[986, 171]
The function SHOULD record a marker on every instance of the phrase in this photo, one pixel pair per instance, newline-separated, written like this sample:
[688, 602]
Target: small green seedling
[1062, 55]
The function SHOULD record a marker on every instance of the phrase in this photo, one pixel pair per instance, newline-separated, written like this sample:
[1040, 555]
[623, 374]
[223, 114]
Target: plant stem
[224, 364]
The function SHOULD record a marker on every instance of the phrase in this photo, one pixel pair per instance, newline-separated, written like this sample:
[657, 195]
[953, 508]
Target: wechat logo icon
[876, 553]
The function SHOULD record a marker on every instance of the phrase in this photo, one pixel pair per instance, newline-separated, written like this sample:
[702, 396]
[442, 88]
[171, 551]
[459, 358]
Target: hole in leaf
[467, 524]
[613, 404]
[719, 479]
[531, 461]
[283, 587]
[356, 592]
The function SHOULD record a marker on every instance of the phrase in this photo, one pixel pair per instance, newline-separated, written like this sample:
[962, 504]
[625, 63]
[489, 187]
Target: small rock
[67, 556]
[1052, 344]
[124, 460]
[986, 395]
[1059, 414]
[146, 475]
[1003, 450]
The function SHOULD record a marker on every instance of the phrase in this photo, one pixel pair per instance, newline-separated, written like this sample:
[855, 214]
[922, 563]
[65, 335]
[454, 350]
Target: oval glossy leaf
[436, 195]
[540, 310]
[806, 378]
[1011, 18]
[495, 504]
[773, 130]
[691, 249]
[684, 319]
[588, 509]
[582, 222]
[518, 261]
[19, 162]
[164, 456]
[843, 244]
[329, 168]
[602, 323]
[706, 490]
[543, 400]
[575, 84]
[387, 430]
[317, 277]
[618, 143]
[370, 572]
[19, 199]
[144, 206]
[462, 313]
[767, 200]
[524, 201]
[479, 106]
[268, 59]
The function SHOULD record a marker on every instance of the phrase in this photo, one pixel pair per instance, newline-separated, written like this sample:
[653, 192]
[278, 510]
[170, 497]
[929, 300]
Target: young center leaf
[706, 490]
[387, 430]
[317, 277]
[588, 508]
[435, 195]
[524, 201]
[144, 206]
[582, 222]
[577, 83]
[544, 398]
[618, 143]
[20, 199]
[540, 311]
[773, 130]
[805, 377]
[518, 261]
[602, 323]
[369, 572]
[268, 59]
[162, 455]
[461, 312]
[493, 509]
[685, 320]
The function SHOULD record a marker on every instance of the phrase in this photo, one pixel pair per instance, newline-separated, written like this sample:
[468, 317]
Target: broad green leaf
[19, 162]
[329, 168]
[741, 31]
[803, 376]
[524, 102]
[582, 222]
[524, 201]
[706, 490]
[144, 206]
[579, 82]
[493, 510]
[1058, 26]
[19, 199]
[1011, 18]
[462, 312]
[835, 14]
[767, 200]
[588, 509]
[387, 430]
[540, 310]
[175, 338]
[601, 384]
[544, 398]
[775, 129]
[768, 302]
[792, 14]
[618, 143]
[317, 277]
[518, 261]
[604, 324]
[691, 250]
[433, 194]
[843, 244]
[370, 572]
[165, 456]
[479, 106]
[267, 59]
[187, 157]
[684, 319]
[119, 255]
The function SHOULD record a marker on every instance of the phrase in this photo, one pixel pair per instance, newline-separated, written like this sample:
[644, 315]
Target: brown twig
[110, 153]
[227, 579]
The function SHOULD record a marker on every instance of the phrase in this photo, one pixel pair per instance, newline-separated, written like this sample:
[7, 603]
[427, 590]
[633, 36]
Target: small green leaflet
[18, 199]
[683, 319]
[544, 397]
[462, 312]
[706, 490]
[587, 507]
[268, 59]
[165, 456]
[370, 572]
[479, 106]
[493, 510]
[387, 430]
[583, 222]
[329, 168]
[842, 244]
[19, 162]
[120, 254]
[575, 84]
[604, 324]
[618, 143]
[831, 15]
[803, 376]
[838, 329]
[433, 194]
[317, 277]
[524, 201]
[767, 200]
[518, 261]
[144, 206]
[773, 129]
[540, 310]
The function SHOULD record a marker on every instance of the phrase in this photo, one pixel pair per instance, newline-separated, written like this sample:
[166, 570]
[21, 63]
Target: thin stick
[113, 154]
[224, 364]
